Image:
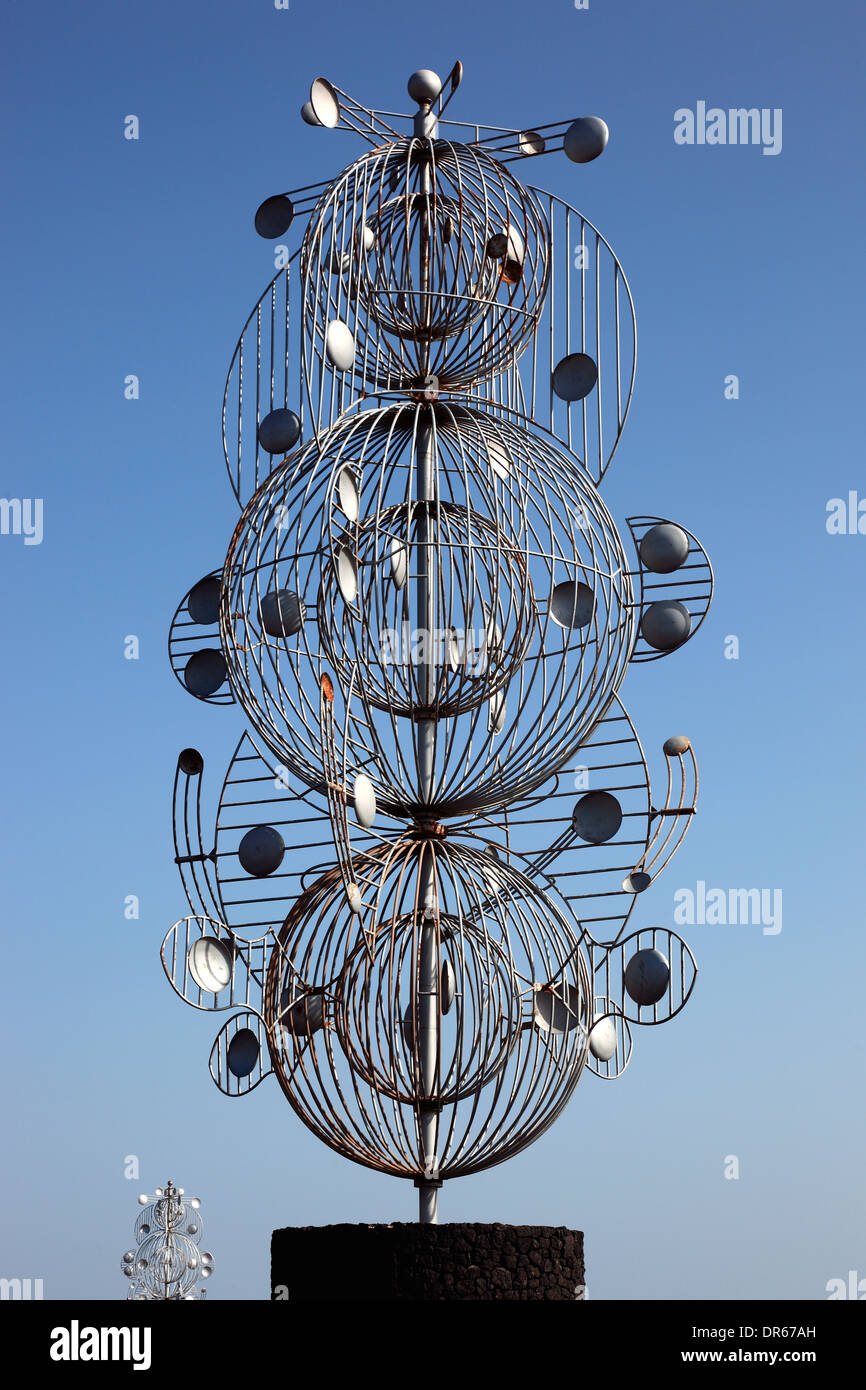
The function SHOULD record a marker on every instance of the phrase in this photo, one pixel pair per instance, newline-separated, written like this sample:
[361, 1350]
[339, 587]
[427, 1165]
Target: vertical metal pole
[427, 1010]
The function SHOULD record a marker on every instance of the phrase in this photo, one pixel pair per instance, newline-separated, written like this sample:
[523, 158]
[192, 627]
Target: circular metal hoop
[532, 609]
[434, 259]
[344, 1008]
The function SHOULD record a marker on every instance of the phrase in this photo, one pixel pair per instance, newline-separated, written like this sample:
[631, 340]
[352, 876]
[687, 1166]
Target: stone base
[459, 1260]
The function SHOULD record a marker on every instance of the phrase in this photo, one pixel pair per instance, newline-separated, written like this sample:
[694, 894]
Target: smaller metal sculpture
[167, 1263]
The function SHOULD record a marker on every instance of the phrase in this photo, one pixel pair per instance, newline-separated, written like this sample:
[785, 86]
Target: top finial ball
[424, 85]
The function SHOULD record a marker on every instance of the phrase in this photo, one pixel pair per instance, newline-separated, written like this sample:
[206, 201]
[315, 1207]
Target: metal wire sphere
[167, 1261]
[527, 569]
[434, 257]
[344, 1010]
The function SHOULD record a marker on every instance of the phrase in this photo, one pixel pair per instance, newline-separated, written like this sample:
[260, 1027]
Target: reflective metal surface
[430, 844]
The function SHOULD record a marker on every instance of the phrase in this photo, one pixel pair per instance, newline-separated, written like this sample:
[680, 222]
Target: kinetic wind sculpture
[426, 613]
[167, 1263]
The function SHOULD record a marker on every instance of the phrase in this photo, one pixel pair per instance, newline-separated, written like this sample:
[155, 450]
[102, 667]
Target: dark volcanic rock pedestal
[459, 1260]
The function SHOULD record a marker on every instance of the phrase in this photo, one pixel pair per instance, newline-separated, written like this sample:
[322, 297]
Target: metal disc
[279, 431]
[281, 613]
[447, 987]
[664, 548]
[585, 139]
[500, 459]
[210, 964]
[556, 1011]
[365, 800]
[325, 103]
[603, 1039]
[574, 376]
[496, 718]
[666, 624]
[399, 562]
[309, 115]
[274, 216]
[190, 762]
[243, 1052]
[530, 142]
[261, 850]
[647, 976]
[204, 601]
[339, 345]
[597, 817]
[205, 672]
[347, 575]
[636, 882]
[347, 491]
[507, 244]
[676, 745]
[572, 604]
[305, 1016]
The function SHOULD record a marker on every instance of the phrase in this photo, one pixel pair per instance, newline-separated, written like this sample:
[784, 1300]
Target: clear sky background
[140, 257]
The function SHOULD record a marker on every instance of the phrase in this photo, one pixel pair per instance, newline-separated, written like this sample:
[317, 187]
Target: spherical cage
[345, 1002]
[434, 257]
[497, 611]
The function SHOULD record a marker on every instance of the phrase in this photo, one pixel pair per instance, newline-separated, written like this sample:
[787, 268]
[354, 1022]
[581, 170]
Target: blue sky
[140, 257]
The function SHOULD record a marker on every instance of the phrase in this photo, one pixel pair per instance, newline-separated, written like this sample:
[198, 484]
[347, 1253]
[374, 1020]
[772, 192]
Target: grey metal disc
[210, 964]
[447, 987]
[647, 976]
[603, 1039]
[497, 712]
[203, 603]
[279, 431]
[339, 345]
[663, 548]
[274, 216]
[347, 575]
[205, 672]
[572, 604]
[347, 491]
[305, 1016]
[365, 800]
[281, 613]
[399, 561]
[190, 762]
[261, 850]
[499, 458]
[530, 142]
[574, 376]
[585, 139]
[597, 817]
[676, 745]
[325, 103]
[309, 115]
[636, 882]
[243, 1052]
[666, 624]
[557, 1012]
[506, 244]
